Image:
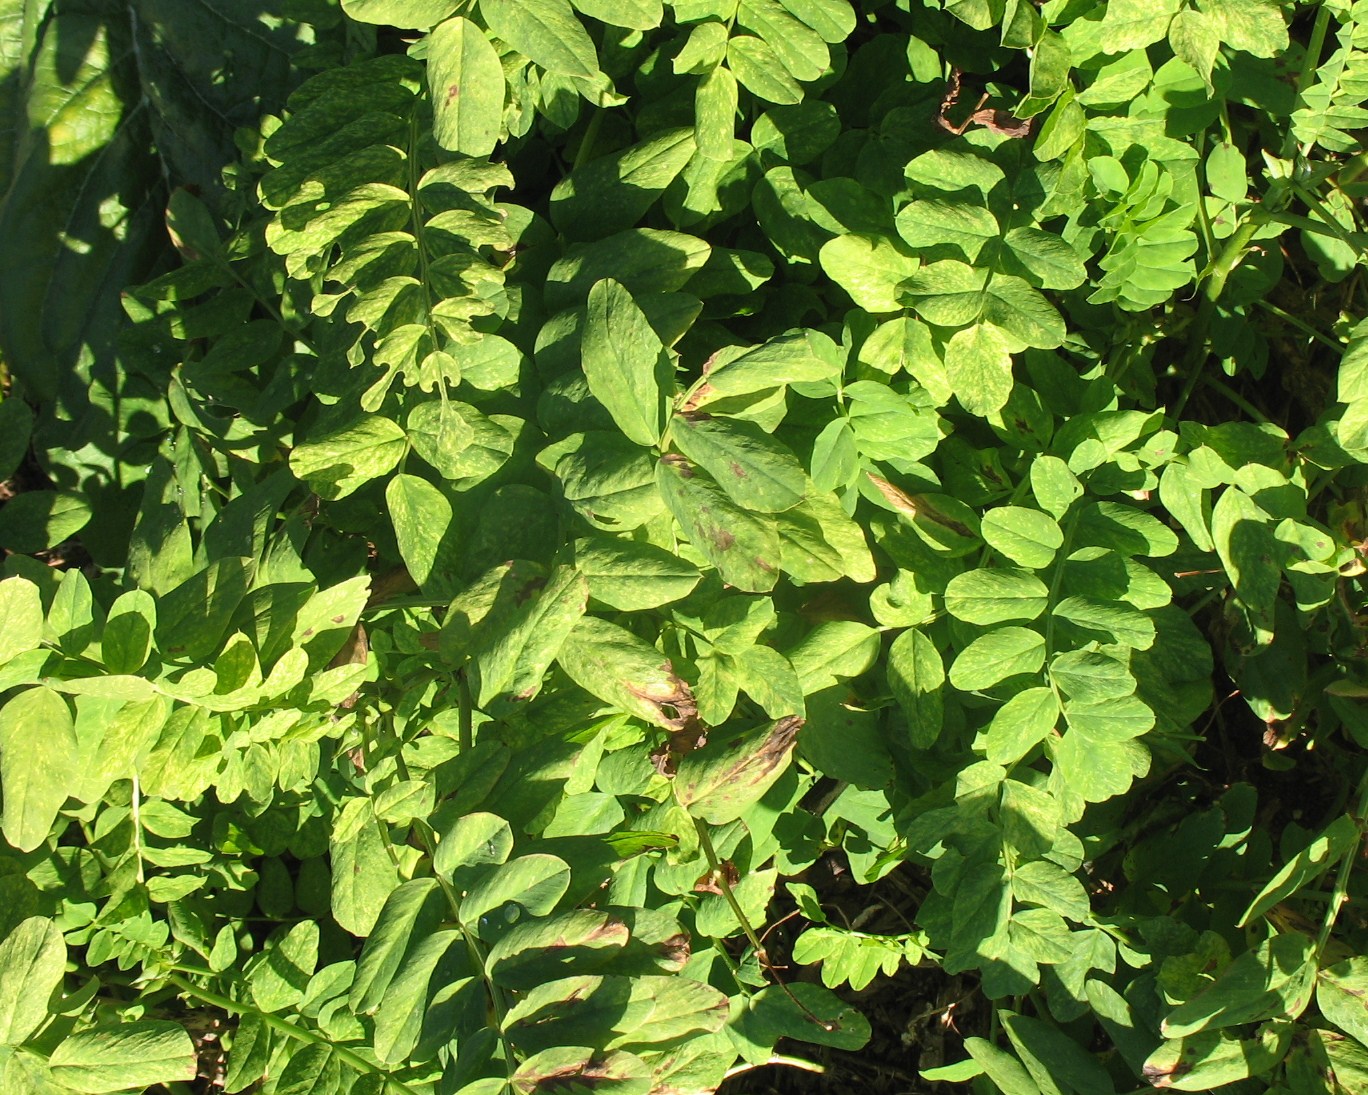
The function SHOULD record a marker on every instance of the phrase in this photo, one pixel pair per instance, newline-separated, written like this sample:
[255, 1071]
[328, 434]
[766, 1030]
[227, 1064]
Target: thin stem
[777, 1059]
[1310, 60]
[720, 877]
[465, 734]
[586, 145]
[300, 1034]
[136, 806]
[426, 837]
[1300, 324]
[1235, 397]
[1340, 897]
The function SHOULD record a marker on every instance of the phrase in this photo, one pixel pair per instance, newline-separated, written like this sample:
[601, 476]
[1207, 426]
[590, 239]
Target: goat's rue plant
[560, 476]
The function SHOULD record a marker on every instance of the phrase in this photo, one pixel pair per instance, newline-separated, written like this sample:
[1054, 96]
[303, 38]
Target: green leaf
[411, 912]
[978, 366]
[418, 14]
[1006, 1072]
[363, 872]
[313, 1069]
[39, 759]
[1121, 623]
[760, 71]
[1020, 724]
[1134, 24]
[768, 678]
[626, 364]
[346, 459]
[467, 85]
[718, 783]
[611, 663]
[1243, 535]
[36, 520]
[1056, 1062]
[1255, 26]
[192, 618]
[545, 31]
[916, 674]
[756, 471]
[1215, 1058]
[630, 575]
[534, 882]
[819, 542]
[1055, 487]
[715, 106]
[632, 14]
[613, 192]
[21, 607]
[995, 596]
[1340, 994]
[869, 268]
[772, 1014]
[514, 659]
[834, 651]
[476, 840]
[1025, 536]
[281, 978]
[609, 480]
[994, 657]
[743, 547]
[32, 964]
[1273, 981]
[935, 222]
[124, 1055]
[421, 516]
[16, 427]
[1333, 843]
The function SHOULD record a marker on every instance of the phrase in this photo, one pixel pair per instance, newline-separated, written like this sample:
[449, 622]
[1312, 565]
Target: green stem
[426, 837]
[1235, 397]
[1310, 60]
[300, 1034]
[586, 145]
[1300, 324]
[1231, 257]
[777, 1059]
[720, 877]
[1217, 273]
[465, 734]
[1340, 897]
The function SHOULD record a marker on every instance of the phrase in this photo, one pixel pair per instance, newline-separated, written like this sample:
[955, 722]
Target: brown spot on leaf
[915, 506]
[737, 470]
[453, 92]
[678, 463]
[710, 881]
[724, 540]
[678, 948]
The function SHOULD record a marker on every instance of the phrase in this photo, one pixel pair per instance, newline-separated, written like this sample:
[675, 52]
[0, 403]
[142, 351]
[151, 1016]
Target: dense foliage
[509, 498]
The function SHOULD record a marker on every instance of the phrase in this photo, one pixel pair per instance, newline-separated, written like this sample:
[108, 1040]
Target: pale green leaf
[625, 363]
[545, 31]
[916, 674]
[756, 471]
[989, 596]
[996, 656]
[467, 84]
[124, 1055]
[32, 964]
[38, 752]
[346, 459]
[1025, 536]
